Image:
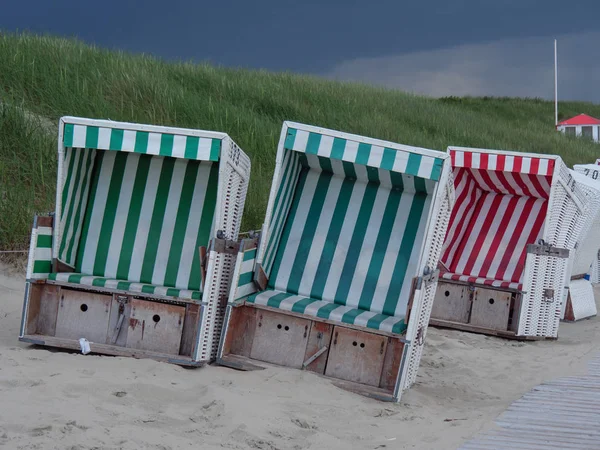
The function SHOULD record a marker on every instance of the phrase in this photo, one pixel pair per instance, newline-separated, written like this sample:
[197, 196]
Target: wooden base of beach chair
[115, 324]
[359, 359]
[486, 310]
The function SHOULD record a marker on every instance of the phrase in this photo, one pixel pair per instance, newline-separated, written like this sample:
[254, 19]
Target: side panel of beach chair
[136, 205]
[346, 265]
[505, 262]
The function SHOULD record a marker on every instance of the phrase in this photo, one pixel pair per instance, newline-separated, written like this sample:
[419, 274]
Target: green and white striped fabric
[245, 285]
[151, 143]
[146, 216]
[400, 161]
[328, 311]
[78, 166]
[352, 243]
[40, 264]
[107, 283]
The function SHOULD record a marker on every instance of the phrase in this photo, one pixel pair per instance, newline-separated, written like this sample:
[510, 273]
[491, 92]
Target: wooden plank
[61, 267]
[238, 363]
[452, 302]
[32, 307]
[113, 350]
[48, 310]
[490, 309]
[280, 339]
[569, 314]
[489, 332]
[45, 221]
[260, 278]
[365, 390]
[83, 315]
[515, 313]
[240, 331]
[155, 326]
[320, 336]
[391, 364]
[356, 356]
[114, 319]
[191, 327]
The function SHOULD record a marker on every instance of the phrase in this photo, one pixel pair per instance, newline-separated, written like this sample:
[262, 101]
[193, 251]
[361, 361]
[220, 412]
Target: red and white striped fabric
[498, 211]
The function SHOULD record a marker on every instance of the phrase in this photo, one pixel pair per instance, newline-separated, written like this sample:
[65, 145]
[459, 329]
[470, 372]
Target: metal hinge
[420, 337]
[543, 249]
[549, 295]
[226, 246]
[428, 277]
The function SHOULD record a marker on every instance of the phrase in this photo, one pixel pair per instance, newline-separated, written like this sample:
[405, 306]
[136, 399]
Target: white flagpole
[555, 85]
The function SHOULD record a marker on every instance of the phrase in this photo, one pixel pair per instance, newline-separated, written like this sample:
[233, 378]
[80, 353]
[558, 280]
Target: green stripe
[420, 185]
[373, 174]
[380, 250]
[290, 139]
[333, 235]
[397, 180]
[300, 305]
[110, 213]
[288, 184]
[363, 153]
[69, 170]
[99, 282]
[123, 285]
[81, 206]
[196, 295]
[116, 139]
[191, 147]
[338, 148]
[215, 149]
[181, 222]
[312, 144]
[250, 254]
[148, 289]
[388, 159]
[75, 278]
[157, 219]
[325, 164]
[91, 137]
[76, 186]
[245, 278]
[308, 232]
[413, 164]
[141, 142]
[276, 300]
[44, 241]
[325, 311]
[208, 211]
[68, 134]
[350, 316]
[356, 243]
[166, 144]
[436, 171]
[286, 229]
[133, 216]
[349, 169]
[404, 254]
[375, 321]
[40, 266]
[399, 327]
[173, 292]
[88, 213]
[52, 276]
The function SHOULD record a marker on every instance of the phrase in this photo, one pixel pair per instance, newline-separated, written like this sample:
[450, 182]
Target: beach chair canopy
[135, 203]
[501, 206]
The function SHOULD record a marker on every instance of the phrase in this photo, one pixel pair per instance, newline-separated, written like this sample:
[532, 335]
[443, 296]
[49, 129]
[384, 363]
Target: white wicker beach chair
[343, 279]
[120, 262]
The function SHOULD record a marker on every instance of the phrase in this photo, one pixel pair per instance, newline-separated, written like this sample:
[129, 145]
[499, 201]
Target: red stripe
[518, 163]
[502, 229]
[468, 159]
[500, 162]
[483, 234]
[467, 192]
[453, 157]
[468, 232]
[533, 235]
[519, 180]
[484, 161]
[508, 186]
[550, 167]
[535, 166]
[538, 186]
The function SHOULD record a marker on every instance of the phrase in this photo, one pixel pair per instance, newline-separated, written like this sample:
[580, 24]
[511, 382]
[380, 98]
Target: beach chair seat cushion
[328, 310]
[482, 281]
[122, 285]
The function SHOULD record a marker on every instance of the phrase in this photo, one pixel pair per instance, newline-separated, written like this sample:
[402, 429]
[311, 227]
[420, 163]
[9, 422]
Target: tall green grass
[51, 77]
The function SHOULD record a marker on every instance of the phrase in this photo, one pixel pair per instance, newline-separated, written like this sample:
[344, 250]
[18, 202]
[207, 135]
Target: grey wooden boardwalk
[559, 414]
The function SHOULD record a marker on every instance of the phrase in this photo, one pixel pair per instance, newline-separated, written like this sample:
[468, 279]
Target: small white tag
[85, 346]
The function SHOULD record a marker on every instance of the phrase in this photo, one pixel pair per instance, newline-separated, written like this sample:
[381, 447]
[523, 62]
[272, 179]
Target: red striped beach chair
[122, 263]
[343, 279]
[505, 262]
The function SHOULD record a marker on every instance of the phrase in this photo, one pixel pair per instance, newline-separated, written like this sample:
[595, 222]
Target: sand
[59, 400]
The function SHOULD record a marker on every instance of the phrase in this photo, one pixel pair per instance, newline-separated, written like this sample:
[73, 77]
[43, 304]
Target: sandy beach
[59, 400]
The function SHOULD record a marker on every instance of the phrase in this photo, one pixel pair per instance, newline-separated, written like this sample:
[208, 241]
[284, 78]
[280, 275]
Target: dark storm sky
[436, 47]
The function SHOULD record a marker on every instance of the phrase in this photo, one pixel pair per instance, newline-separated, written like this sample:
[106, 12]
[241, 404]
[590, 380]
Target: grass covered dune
[43, 78]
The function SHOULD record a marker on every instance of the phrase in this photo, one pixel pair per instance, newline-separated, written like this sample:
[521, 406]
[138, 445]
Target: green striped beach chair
[343, 278]
[136, 260]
